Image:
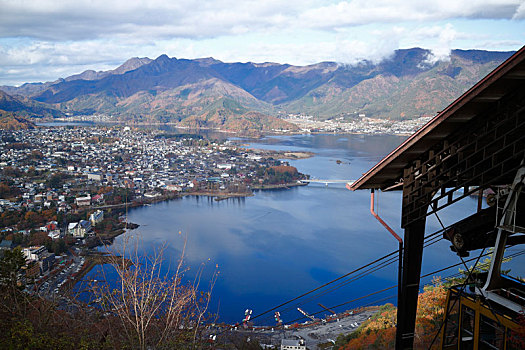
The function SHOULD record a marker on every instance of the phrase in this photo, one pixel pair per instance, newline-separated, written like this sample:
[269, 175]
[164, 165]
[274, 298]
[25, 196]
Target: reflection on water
[278, 244]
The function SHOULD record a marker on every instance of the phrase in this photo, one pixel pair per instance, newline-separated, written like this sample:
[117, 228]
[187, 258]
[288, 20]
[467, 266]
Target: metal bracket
[506, 225]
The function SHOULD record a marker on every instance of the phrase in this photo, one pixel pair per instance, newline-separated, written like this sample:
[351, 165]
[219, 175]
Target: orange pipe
[396, 236]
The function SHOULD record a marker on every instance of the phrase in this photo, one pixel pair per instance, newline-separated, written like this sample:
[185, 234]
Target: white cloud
[361, 12]
[441, 45]
[85, 19]
[47, 61]
[69, 53]
[520, 12]
[350, 50]
[46, 39]
[491, 44]
[154, 19]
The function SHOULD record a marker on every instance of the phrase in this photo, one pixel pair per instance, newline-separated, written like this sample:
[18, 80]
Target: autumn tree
[55, 180]
[9, 218]
[380, 330]
[10, 294]
[10, 171]
[49, 215]
[430, 312]
[105, 189]
[5, 190]
[10, 264]
[39, 238]
[36, 154]
[155, 309]
[31, 219]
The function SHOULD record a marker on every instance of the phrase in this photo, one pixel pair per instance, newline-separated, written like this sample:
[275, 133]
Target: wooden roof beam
[461, 118]
[489, 98]
[518, 72]
[515, 75]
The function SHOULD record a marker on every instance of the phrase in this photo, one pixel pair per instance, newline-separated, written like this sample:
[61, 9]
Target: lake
[280, 243]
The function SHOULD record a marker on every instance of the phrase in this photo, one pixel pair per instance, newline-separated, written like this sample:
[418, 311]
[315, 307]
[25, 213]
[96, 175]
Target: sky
[43, 40]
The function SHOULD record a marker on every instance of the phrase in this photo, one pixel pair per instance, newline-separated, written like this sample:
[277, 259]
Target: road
[314, 335]
[49, 286]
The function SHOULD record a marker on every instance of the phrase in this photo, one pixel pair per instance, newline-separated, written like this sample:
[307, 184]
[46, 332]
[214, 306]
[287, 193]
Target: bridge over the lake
[329, 181]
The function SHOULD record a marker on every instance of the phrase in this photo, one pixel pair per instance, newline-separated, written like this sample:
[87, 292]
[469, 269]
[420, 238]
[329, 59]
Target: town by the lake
[65, 189]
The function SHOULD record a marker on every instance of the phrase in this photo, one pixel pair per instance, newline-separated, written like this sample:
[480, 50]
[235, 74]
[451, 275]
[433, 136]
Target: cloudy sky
[42, 40]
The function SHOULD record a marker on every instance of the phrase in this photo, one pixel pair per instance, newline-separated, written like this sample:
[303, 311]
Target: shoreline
[279, 186]
[254, 134]
[217, 196]
[292, 155]
[225, 195]
[93, 258]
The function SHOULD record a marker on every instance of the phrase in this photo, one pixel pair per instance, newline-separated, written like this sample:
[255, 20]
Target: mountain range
[252, 96]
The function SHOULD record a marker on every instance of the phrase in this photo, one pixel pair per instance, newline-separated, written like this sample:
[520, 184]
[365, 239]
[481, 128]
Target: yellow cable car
[489, 313]
[477, 323]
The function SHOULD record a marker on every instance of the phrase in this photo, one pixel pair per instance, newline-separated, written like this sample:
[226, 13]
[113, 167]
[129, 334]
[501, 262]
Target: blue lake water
[278, 244]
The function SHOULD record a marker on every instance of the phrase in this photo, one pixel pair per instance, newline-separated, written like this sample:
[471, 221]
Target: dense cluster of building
[142, 160]
[354, 123]
[359, 125]
[39, 261]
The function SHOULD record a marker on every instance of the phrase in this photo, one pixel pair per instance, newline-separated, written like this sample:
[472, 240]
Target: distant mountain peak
[163, 58]
[207, 61]
[265, 64]
[132, 64]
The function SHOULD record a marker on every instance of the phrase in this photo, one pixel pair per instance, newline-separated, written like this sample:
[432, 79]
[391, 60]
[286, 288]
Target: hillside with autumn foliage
[379, 332]
[9, 121]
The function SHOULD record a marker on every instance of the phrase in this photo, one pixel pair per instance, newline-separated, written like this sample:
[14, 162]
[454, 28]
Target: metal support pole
[506, 225]
[412, 258]
[399, 286]
[400, 263]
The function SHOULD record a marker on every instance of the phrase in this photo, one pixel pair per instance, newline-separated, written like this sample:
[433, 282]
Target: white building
[96, 217]
[225, 166]
[83, 201]
[34, 253]
[95, 176]
[293, 344]
[80, 229]
[54, 235]
[71, 227]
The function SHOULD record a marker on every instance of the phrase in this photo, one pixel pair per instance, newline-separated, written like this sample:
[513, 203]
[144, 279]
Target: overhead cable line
[324, 285]
[429, 237]
[367, 272]
[422, 276]
[353, 279]
[348, 302]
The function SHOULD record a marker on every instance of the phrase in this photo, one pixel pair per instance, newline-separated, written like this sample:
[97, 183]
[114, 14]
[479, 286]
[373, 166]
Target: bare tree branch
[154, 309]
